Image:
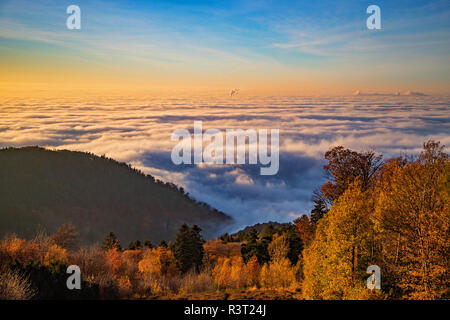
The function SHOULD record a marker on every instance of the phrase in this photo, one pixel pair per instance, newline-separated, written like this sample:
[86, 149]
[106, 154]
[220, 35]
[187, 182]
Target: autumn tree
[66, 237]
[228, 273]
[278, 274]
[305, 229]
[251, 272]
[344, 166]
[155, 267]
[158, 262]
[116, 265]
[335, 263]
[215, 248]
[279, 271]
[413, 223]
[55, 255]
[279, 247]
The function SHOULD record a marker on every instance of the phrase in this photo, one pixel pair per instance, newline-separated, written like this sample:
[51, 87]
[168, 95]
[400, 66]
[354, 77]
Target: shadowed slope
[39, 187]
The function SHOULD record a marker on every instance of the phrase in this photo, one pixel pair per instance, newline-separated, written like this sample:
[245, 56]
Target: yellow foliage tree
[221, 273]
[158, 262]
[278, 247]
[115, 263]
[230, 273]
[336, 262]
[413, 224]
[13, 248]
[251, 272]
[55, 254]
[278, 274]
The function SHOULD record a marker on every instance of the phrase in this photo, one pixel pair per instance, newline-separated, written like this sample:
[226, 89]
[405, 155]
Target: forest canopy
[393, 214]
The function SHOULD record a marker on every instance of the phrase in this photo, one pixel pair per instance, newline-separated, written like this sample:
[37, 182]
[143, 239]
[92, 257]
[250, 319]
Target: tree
[157, 263]
[279, 247]
[251, 272]
[267, 233]
[336, 261]
[305, 229]
[344, 166]
[164, 244]
[252, 235]
[230, 272]
[197, 242]
[148, 244]
[188, 248]
[111, 242]
[413, 223]
[66, 237]
[319, 209]
[225, 237]
[55, 254]
[135, 245]
[138, 245]
[278, 274]
[296, 244]
[401, 224]
[256, 247]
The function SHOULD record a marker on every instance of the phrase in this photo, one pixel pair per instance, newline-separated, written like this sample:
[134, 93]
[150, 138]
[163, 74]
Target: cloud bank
[137, 129]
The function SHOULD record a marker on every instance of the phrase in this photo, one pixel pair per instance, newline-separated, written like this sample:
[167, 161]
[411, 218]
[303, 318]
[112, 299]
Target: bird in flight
[233, 92]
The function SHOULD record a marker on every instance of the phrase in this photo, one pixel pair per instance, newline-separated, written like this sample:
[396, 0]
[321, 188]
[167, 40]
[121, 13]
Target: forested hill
[40, 188]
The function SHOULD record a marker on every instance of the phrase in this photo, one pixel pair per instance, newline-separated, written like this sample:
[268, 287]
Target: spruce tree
[188, 248]
[111, 242]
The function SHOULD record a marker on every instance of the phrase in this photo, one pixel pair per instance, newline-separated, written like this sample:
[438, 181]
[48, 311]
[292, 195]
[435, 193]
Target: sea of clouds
[137, 129]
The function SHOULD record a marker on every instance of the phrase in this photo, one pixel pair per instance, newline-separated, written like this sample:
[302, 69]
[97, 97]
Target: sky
[259, 46]
[138, 70]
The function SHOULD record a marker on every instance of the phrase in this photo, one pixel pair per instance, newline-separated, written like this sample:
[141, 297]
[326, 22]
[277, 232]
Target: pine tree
[135, 245]
[111, 242]
[318, 211]
[295, 244]
[148, 244]
[197, 247]
[188, 248]
[164, 244]
[256, 247]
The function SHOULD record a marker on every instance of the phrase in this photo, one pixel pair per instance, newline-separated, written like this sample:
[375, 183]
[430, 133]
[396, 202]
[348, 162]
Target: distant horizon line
[225, 91]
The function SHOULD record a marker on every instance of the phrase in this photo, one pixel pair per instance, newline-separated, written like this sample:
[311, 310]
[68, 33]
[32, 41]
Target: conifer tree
[188, 248]
[111, 242]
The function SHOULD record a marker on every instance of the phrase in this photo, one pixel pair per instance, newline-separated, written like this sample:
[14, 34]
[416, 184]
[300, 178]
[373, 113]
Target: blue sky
[295, 44]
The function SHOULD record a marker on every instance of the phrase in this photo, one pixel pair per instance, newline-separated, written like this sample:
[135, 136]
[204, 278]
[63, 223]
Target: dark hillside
[39, 187]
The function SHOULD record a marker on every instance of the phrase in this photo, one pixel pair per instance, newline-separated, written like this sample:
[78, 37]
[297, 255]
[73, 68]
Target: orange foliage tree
[413, 223]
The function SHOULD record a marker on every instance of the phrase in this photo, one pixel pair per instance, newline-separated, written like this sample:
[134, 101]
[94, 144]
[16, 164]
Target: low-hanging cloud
[137, 129]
